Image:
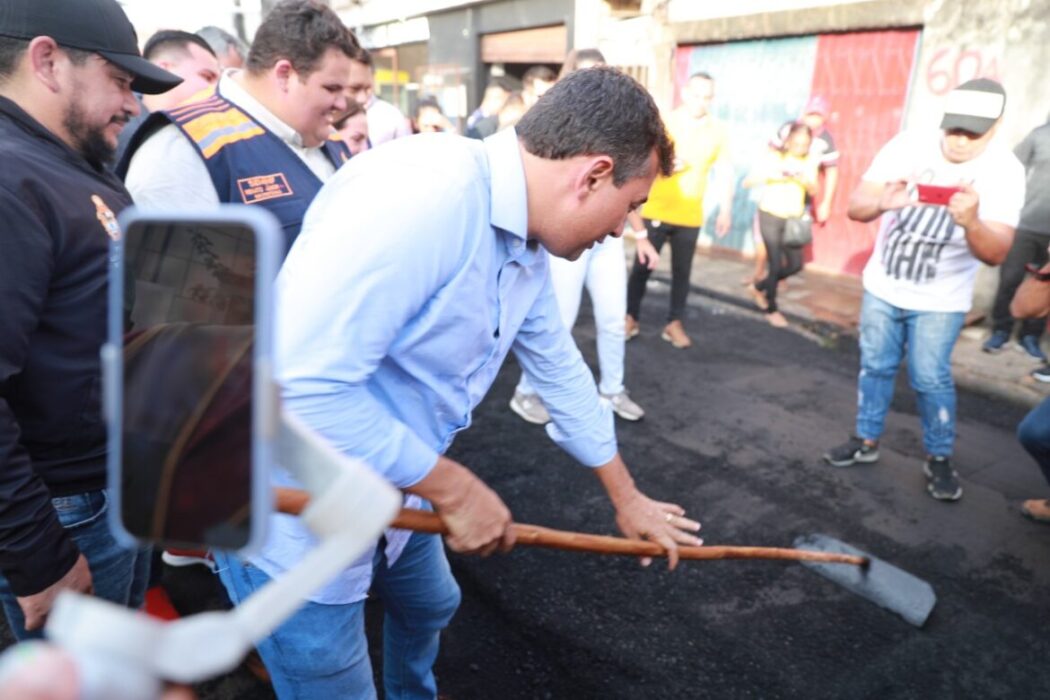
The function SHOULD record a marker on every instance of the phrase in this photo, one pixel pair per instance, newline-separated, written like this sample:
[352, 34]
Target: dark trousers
[683, 248]
[1034, 435]
[782, 260]
[119, 574]
[1028, 247]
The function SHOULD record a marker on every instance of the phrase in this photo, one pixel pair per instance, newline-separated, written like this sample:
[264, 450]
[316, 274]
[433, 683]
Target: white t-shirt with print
[921, 260]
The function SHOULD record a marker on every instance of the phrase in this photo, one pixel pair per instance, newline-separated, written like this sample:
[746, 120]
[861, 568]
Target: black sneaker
[942, 482]
[852, 451]
[1042, 374]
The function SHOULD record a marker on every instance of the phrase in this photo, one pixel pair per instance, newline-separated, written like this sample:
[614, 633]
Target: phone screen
[935, 194]
[186, 416]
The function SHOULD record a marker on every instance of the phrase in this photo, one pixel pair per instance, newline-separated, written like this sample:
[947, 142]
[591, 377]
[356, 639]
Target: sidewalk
[825, 303]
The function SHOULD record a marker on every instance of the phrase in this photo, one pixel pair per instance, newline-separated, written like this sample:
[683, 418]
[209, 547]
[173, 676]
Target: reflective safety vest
[248, 164]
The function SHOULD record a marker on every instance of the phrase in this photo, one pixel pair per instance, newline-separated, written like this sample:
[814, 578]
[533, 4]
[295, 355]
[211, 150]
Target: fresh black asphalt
[734, 431]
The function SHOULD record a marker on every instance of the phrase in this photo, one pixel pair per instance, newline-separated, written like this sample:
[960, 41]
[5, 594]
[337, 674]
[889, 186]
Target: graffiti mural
[762, 83]
[948, 67]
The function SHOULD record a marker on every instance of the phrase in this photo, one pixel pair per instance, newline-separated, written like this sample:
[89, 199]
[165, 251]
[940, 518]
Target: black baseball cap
[974, 106]
[99, 26]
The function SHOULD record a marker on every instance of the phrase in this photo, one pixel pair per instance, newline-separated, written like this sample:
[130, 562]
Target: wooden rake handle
[293, 501]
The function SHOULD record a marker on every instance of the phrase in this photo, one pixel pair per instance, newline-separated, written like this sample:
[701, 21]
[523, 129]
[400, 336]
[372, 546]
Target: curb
[1024, 392]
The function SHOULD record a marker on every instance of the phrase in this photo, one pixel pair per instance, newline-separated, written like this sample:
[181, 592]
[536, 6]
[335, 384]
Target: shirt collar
[235, 92]
[509, 210]
[16, 113]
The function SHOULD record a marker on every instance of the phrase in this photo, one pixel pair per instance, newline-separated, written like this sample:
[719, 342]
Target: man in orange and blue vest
[262, 136]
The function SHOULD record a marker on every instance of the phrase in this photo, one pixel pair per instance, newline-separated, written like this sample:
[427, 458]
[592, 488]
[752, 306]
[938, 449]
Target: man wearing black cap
[67, 71]
[918, 283]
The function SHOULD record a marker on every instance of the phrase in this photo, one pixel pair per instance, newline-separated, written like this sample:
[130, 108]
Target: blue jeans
[887, 335]
[322, 652]
[1034, 434]
[118, 574]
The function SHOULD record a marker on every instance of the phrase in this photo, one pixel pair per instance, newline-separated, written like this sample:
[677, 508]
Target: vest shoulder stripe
[214, 130]
[193, 109]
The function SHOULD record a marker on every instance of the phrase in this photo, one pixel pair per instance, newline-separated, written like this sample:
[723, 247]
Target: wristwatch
[1037, 273]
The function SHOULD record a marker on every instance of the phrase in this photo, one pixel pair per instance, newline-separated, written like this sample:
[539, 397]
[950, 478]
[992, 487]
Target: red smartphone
[935, 194]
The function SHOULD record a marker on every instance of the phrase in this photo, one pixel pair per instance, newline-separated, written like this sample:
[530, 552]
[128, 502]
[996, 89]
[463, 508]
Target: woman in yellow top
[786, 176]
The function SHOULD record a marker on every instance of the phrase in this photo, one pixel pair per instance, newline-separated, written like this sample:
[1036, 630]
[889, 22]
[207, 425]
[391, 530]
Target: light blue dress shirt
[411, 280]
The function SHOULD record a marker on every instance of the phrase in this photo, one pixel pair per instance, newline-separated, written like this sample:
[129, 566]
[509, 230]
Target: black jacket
[54, 245]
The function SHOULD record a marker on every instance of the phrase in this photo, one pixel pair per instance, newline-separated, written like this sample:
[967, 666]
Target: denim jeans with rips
[322, 652]
[888, 335]
[119, 574]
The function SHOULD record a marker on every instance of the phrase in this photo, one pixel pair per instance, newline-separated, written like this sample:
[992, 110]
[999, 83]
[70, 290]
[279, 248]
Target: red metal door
[865, 76]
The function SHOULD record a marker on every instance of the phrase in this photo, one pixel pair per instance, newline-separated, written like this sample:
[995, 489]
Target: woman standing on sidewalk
[787, 176]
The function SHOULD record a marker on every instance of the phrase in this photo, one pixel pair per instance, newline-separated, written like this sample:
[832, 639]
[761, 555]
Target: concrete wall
[794, 17]
[1002, 39]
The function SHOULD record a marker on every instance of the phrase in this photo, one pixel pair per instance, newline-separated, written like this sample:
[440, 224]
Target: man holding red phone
[918, 283]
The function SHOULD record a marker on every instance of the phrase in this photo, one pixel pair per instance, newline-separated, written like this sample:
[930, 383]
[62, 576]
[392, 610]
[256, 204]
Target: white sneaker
[530, 408]
[185, 557]
[624, 407]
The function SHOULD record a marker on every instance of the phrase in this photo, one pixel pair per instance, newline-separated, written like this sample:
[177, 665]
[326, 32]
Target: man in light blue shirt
[419, 267]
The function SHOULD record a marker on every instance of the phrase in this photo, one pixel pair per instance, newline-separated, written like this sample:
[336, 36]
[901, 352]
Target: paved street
[735, 429]
[734, 432]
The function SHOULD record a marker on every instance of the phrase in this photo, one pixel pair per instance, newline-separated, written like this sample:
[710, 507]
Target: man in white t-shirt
[918, 283]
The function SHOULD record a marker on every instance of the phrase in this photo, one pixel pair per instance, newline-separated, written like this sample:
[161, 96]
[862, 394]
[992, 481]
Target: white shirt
[167, 170]
[385, 122]
[921, 259]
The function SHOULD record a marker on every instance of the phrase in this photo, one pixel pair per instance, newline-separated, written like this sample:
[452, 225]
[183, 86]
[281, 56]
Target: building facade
[450, 50]
[882, 64]
[239, 17]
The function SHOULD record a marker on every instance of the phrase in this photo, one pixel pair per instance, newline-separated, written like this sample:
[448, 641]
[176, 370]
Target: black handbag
[798, 231]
